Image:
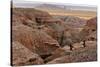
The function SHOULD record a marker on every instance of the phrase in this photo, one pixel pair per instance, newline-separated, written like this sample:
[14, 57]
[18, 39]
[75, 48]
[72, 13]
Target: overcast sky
[73, 2]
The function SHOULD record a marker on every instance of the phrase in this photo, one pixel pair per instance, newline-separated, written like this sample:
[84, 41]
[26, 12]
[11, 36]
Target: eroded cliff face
[36, 40]
[90, 29]
[22, 55]
[37, 35]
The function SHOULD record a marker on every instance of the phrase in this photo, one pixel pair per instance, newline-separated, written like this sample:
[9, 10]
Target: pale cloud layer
[82, 2]
[71, 4]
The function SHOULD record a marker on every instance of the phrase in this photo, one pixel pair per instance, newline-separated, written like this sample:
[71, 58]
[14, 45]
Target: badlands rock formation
[39, 38]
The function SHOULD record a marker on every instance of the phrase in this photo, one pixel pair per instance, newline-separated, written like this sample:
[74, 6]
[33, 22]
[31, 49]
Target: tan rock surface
[23, 56]
[34, 39]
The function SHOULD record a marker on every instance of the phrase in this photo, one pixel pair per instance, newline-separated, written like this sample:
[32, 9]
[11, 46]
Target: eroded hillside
[40, 38]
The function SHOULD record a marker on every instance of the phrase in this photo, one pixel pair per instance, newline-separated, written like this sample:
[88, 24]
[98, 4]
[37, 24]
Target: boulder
[66, 48]
[77, 45]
